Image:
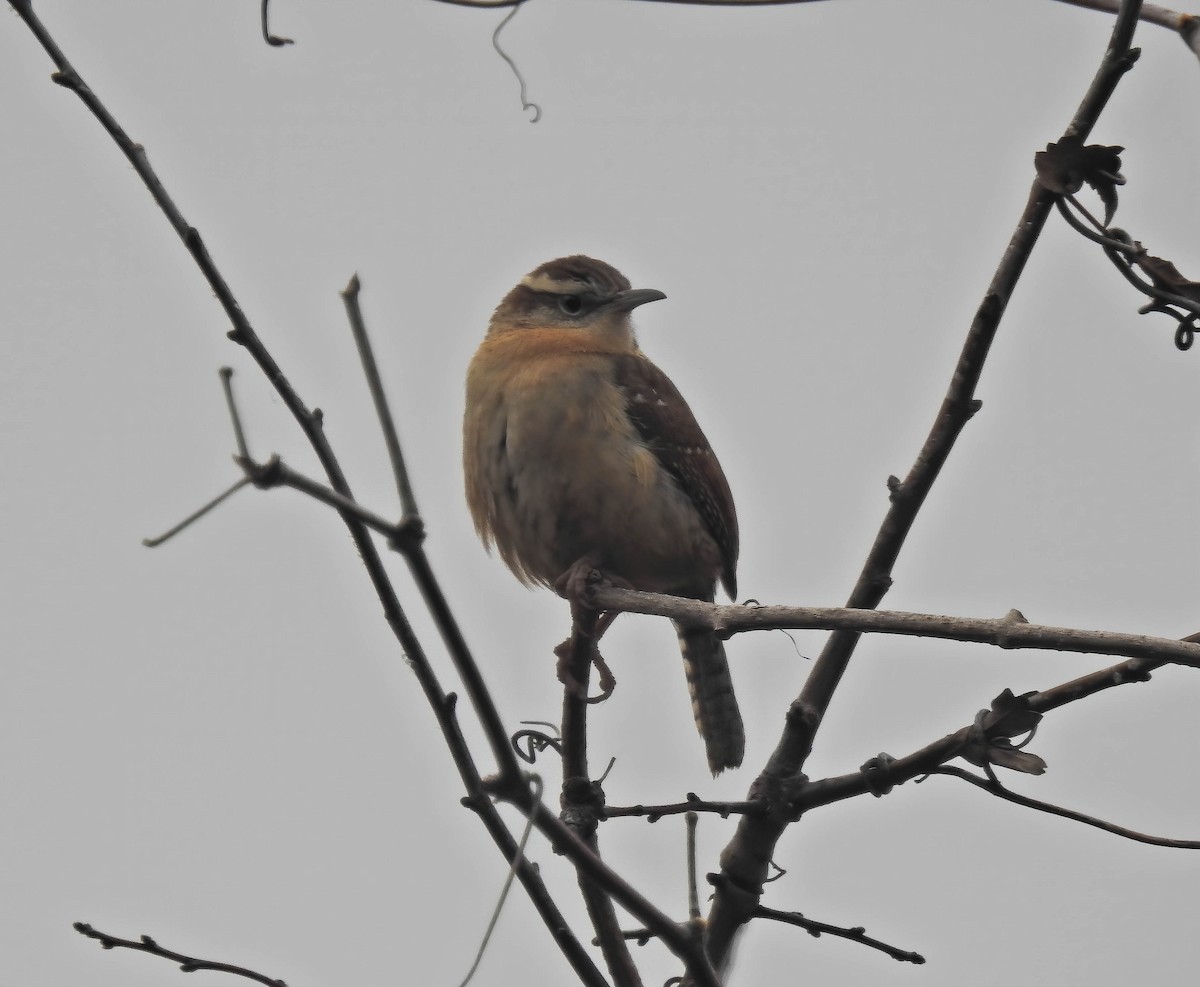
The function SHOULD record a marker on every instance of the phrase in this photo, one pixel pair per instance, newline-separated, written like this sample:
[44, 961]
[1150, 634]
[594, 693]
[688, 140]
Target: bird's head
[574, 293]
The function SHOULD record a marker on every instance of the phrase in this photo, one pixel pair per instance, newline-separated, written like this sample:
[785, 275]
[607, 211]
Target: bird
[579, 452]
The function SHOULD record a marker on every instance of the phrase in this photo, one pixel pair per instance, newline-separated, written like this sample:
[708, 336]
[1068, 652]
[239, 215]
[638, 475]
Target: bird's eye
[571, 304]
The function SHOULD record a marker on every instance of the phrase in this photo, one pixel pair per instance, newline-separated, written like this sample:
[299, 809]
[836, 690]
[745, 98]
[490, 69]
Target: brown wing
[670, 430]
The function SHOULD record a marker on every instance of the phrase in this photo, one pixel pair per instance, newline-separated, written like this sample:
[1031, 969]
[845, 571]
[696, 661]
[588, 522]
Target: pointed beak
[626, 301]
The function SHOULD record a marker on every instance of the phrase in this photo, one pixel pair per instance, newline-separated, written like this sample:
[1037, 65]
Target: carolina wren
[577, 450]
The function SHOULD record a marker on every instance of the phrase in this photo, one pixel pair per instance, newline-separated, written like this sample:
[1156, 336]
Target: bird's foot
[570, 659]
[579, 652]
[576, 584]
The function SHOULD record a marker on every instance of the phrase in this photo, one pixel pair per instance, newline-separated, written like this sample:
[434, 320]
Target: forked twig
[311, 423]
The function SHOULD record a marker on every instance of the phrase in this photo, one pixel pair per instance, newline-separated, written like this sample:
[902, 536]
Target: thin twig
[387, 424]
[993, 787]
[272, 39]
[407, 538]
[1082, 230]
[235, 418]
[639, 936]
[1119, 253]
[196, 515]
[536, 783]
[693, 803]
[855, 934]
[690, 820]
[188, 964]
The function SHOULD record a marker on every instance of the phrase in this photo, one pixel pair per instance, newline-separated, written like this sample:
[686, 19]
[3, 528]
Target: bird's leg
[587, 627]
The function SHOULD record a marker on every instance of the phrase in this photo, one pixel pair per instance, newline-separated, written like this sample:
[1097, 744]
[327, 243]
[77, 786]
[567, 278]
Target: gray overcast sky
[217, 743]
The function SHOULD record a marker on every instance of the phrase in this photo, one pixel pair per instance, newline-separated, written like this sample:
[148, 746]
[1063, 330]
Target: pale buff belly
[577, 481]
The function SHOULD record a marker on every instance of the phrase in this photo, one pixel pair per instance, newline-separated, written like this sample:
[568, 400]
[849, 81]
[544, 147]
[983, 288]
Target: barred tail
[713, 702]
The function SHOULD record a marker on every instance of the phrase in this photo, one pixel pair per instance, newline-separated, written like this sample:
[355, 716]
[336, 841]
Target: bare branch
[692, 803]
[387, 424]
[196, 515]
[746, 857]
[691, 819]
[856, 934]
[407, 538]
[235, 418]
[566, 841]
[1151, 13]
[929, 758]
[272, 39]
[311, 423]
[188, 964]
[993, 786]
[1008, 632]
[582, 800]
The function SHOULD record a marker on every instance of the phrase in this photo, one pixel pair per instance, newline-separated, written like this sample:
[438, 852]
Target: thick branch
[746, 858]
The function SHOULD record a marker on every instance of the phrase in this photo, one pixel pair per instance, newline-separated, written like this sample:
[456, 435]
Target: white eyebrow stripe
[541, 282]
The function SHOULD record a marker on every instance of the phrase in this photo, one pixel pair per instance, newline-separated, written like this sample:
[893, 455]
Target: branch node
[408, 535]
[743, 899]
[582, 804]
[1128, 60]
[264, 476]
[778, 795]
[1137, 673]
[877, 773]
